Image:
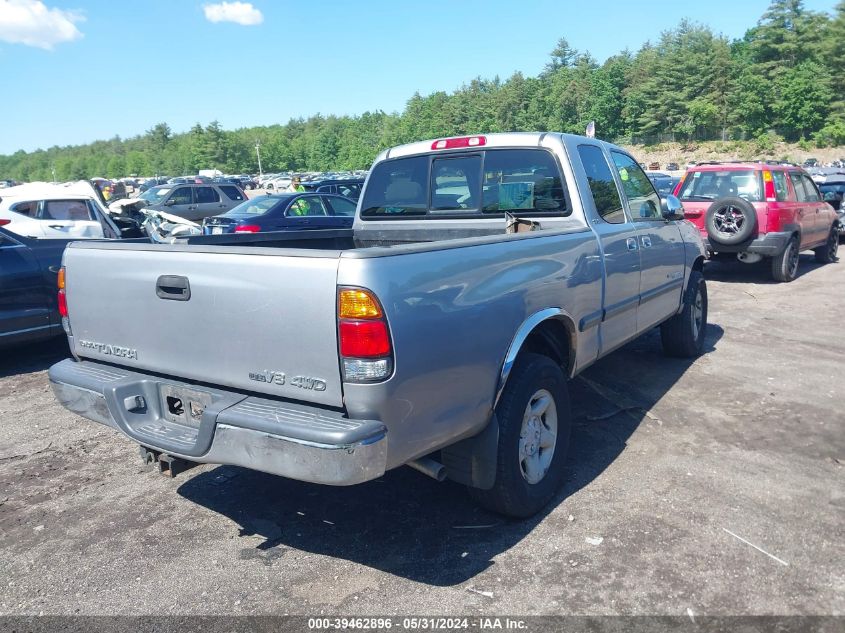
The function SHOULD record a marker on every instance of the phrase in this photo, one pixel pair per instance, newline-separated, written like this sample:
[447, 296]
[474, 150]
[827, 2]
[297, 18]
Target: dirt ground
[712, 487]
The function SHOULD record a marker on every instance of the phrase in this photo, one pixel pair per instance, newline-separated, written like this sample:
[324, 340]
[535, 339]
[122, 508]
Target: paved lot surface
[670, 460]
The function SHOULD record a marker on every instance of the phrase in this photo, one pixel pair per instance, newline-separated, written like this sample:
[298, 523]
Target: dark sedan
[28, 270]
[284, 212]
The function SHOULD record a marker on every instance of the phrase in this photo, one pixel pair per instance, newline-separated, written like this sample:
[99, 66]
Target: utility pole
[258, 153]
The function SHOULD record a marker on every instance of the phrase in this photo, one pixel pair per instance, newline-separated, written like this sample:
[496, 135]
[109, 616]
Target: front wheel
[534, 426]
[683, 334]
[785, 265]
[827, 254]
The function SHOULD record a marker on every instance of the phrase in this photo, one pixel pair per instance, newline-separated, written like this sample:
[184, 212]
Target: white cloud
[242, 13]
[31, 23]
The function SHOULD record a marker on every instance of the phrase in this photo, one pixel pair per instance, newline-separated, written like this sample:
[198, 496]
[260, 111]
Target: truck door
[23, 298]
[660, 242]
[619, 243]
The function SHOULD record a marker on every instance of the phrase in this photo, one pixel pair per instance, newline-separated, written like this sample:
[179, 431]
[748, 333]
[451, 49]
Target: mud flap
[472, 461]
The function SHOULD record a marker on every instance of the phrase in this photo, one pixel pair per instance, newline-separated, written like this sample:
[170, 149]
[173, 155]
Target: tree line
[784, 79]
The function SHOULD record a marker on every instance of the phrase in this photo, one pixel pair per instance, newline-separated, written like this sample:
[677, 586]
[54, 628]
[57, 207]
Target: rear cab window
[479, 183]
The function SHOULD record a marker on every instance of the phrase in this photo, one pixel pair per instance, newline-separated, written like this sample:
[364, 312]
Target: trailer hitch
[167, 465]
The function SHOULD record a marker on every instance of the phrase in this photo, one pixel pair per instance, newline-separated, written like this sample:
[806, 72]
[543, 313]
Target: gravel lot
[673, 463]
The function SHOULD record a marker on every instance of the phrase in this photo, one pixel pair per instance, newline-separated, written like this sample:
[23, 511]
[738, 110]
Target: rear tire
[785, 265]
[534, 427]
[683, 335]
[827, 254]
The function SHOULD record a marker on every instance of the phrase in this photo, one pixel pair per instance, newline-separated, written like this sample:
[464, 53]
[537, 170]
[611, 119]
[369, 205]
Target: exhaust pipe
[430, 467]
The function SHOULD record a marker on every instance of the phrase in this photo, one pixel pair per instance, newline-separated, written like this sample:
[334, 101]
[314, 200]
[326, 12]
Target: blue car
[284, 212]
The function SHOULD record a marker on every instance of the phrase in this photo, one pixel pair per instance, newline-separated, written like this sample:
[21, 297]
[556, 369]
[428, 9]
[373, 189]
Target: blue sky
[127, 66]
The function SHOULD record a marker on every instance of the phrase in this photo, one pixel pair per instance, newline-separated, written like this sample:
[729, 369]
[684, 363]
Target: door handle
[632, 244]
[56, 226]
[646, 241]
[173, 287]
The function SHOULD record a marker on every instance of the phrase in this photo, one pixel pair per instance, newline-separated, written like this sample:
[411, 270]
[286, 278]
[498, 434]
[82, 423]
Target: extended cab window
[525, 181]
[642, 198]
[602, 186]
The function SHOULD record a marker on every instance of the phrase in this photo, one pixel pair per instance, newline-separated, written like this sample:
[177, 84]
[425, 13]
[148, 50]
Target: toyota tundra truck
[481, 273]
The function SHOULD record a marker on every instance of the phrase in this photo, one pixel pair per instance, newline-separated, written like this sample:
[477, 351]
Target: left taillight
[61, 300]
[366, 351]
[248, 228]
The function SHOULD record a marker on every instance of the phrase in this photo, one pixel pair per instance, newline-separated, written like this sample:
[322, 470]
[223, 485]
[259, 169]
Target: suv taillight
[769, 187]
[366, 352]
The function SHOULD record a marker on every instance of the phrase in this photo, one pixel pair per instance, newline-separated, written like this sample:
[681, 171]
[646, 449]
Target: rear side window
[602, 186]
[232, 192]
[342, 207]
[350, 191]
[812, 191]
[781, 189]
[66, 210]
[712, 184]
[800, 188]
[490, 182]
[207, 194]
[28, 209]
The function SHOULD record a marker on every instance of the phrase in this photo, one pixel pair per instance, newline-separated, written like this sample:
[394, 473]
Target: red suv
[760, 210]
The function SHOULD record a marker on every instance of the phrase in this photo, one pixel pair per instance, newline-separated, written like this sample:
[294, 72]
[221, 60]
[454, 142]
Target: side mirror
[672, 208]
[169, 203]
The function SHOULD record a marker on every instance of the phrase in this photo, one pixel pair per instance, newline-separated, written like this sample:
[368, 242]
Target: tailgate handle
[173, 287]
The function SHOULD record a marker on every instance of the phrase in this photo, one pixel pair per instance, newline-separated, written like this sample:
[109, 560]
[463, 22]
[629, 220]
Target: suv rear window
[487, 182]
[712, 184]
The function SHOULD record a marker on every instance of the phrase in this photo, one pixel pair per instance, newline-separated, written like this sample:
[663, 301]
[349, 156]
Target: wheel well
[551, 338]
[698, 264]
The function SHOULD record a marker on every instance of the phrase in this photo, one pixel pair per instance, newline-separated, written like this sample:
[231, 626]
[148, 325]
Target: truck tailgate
[263, 323]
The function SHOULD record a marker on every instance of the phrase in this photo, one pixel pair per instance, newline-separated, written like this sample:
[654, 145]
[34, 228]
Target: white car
[45, 210]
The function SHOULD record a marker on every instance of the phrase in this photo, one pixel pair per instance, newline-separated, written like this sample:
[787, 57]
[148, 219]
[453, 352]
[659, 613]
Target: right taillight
[61, 301]
[365, 348]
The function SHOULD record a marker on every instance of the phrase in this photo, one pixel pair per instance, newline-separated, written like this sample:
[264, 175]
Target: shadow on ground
[409, 525]
[731, 270]
[24, 359]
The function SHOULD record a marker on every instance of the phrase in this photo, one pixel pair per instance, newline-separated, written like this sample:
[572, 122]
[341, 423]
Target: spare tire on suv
[730, 221]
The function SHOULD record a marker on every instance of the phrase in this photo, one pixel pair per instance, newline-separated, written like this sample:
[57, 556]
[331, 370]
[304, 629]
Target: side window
[454, 183]
[642, 198]
[522, 180]
[781, 190]
[182, 195]
[310, 206]
[798, 185]
[207, 194]
[29, 209]
[342, 207]
[350, 191]
[233, 193]
[602, 186]
[813, 194]
[66, 210]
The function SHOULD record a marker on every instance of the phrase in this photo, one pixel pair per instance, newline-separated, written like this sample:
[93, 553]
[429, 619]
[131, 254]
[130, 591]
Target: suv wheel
[730, 221]
[785, 265]
[827, 254]
[534, 424]
[683, 334]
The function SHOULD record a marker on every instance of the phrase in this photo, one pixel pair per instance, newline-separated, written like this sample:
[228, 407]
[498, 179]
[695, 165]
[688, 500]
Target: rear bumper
[282, 438]
[768, 245]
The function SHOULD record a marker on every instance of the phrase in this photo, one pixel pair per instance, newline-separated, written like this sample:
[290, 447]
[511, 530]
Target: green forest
[783, 80]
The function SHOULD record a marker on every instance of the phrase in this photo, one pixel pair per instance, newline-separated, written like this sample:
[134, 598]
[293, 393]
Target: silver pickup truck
[439, 332]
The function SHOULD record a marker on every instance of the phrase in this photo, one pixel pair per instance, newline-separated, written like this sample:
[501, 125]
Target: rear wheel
[683, 334]
[534, 426]
[827, 254]
[785, 265]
